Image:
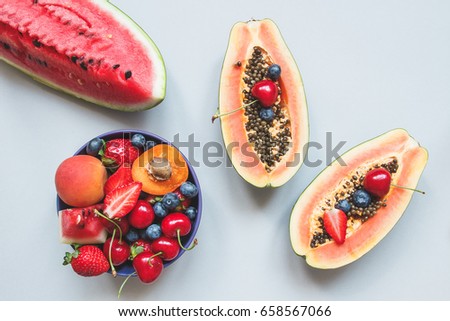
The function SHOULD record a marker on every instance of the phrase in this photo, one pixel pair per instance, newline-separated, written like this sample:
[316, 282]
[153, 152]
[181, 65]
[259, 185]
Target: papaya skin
[152, 185]
[412, 159]
[265, 34]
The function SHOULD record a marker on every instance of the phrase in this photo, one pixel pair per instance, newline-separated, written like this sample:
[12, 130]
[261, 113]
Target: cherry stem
[112, 221]
[194, 244]
[113, 269]
[408, 188]
[123, 283]
[154, 255]
[232, 111]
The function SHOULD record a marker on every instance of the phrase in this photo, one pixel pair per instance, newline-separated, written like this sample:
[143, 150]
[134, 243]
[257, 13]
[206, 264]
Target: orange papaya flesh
[265, 154]
[395, 150]
[152, 185]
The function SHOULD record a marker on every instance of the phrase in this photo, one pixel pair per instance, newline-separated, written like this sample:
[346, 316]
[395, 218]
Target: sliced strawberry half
[335, 224]
[121, 177]
[121, 200]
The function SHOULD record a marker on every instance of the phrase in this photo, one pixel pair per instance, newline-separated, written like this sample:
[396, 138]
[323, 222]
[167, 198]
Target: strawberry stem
[194, 244]
[409, 188]
[154, 255]
[217, 115]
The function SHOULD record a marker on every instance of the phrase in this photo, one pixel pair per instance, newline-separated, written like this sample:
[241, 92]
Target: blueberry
[170, 201]
[189, 189]
[274, 71]
[138, 140]
[94, 146]
[150, 144]
[160, 210]
[153, 231]
[191, 212]
[344, 206]
[132, 235]
[266, 114]
[142, 234]
[361, 198]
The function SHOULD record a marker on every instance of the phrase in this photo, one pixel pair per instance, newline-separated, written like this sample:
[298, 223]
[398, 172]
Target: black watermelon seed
[6, 46]
[116, 66]
[83, 66]
[91, 61]
[36, 43]
[35, 1]
[74, 59]
[128, 74]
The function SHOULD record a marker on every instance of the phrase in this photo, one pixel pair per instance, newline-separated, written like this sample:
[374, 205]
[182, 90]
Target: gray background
[368, 67]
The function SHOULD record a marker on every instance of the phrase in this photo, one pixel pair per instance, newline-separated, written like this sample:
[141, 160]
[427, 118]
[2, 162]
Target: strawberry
[87, 260]
[122, 200]
[119, 152]
[152, 199]
[335, 224]
[121, 177]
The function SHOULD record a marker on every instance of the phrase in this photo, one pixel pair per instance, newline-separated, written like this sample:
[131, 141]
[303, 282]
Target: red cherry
[120, 251]
[175, 223]
[140, 246]
[142, 215]
[122, 222]
[148, 266]
[266, 92]
[167, 247]
[377, 182]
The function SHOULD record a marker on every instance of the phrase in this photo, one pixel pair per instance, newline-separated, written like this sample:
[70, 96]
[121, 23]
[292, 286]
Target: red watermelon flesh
[82, 226]
[87, 48]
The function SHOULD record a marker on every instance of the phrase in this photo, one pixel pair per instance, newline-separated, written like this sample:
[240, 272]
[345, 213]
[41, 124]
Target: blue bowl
[126, 269]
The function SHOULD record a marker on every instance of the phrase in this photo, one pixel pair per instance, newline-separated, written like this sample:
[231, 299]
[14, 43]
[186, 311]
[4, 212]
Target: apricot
[160, 169]
[80, 180]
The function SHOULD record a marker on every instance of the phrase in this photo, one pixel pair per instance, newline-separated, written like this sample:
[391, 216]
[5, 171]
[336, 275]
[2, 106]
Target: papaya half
[262, 105]
[394, 152]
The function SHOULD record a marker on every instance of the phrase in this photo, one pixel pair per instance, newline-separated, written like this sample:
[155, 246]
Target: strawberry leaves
[335, 224]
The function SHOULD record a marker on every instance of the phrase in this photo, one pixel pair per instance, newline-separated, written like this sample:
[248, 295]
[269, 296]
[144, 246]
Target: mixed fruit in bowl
[129, 203]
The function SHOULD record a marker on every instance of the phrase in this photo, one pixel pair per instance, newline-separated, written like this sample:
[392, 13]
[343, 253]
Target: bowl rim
[126, 269]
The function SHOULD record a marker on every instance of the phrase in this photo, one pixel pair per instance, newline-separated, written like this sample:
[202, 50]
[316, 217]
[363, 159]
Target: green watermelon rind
[158, 92]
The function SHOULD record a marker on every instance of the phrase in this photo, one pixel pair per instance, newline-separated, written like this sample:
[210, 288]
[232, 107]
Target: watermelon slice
[87, 48]
[82, 225]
